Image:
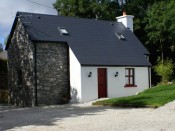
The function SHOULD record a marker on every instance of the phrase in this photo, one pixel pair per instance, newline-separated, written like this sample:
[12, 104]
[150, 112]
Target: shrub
[164, 69]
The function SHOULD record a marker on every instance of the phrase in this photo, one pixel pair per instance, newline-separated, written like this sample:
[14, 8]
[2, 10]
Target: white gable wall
[75, 78]
[115, 85]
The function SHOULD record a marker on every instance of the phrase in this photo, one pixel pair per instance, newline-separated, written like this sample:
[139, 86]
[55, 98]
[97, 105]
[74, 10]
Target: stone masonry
[51, 69]
[20, 55]
[52, 73]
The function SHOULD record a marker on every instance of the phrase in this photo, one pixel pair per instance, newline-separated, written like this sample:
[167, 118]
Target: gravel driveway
[83, 117]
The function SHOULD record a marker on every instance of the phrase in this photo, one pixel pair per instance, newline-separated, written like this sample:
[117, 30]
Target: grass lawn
[153, 97]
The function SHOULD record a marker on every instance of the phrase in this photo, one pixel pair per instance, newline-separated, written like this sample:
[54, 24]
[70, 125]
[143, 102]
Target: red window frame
[130, 76]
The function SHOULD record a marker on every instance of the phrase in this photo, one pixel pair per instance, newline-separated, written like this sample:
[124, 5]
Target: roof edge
[12, 31]
[118, 65]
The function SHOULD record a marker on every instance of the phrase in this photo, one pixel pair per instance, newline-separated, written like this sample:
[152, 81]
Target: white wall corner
[75, 78]
[127, 21]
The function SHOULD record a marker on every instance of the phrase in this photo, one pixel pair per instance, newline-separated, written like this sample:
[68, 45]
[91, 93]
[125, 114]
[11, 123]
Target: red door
[102, 83]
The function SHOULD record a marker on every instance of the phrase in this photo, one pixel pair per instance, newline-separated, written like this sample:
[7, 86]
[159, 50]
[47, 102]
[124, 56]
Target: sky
[9, 8]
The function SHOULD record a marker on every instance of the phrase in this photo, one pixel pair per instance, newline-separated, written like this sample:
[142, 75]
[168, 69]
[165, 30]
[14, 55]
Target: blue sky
[8, 9]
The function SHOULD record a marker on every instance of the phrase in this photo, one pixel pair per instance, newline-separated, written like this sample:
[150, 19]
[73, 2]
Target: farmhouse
[56, 59]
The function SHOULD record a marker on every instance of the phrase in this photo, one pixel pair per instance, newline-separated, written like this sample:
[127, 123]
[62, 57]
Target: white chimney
[127, 20]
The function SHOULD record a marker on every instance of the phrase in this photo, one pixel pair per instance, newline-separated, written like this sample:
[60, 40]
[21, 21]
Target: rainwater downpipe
[35, 68]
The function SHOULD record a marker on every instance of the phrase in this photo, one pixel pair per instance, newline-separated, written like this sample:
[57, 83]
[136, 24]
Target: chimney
[127, 20]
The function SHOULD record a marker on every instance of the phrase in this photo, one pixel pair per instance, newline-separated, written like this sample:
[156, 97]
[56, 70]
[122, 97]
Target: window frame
[130, 77]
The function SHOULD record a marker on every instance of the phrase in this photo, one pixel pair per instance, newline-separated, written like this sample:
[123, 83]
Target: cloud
[9, 8]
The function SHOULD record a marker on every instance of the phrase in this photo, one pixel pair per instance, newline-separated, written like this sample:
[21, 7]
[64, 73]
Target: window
[63, 31]
[120, 36]
[19, 77]
[130, 77]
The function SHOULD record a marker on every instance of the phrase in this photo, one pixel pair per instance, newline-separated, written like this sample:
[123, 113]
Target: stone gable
[50, 63]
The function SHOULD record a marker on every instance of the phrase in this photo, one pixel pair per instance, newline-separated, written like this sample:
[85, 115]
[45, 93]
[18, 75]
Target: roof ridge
[73, 17]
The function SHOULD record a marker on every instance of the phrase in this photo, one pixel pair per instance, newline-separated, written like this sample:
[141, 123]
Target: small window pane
[131, 81]
[131, 72]
[126, 80]
[126, 72]
[64, 31]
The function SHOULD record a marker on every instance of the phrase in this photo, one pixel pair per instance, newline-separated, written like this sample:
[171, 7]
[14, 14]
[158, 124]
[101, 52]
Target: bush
[164, 69]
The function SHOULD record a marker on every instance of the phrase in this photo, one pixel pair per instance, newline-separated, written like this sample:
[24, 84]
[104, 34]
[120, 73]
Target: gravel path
[83, 117]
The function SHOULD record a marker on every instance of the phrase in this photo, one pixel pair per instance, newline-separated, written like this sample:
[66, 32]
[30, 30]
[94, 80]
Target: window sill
[130, 86]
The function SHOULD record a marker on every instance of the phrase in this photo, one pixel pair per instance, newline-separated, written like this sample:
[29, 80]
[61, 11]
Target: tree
[160, 25]
[100, 9]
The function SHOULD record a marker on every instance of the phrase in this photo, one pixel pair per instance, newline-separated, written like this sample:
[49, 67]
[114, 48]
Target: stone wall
[20, 54]
[52, 73]
[51, 65]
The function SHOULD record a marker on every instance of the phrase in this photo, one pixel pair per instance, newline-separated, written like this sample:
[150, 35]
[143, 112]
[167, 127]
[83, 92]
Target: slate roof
[94, 42]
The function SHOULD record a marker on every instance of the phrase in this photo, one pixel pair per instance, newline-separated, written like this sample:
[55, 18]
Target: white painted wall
[84, 88]
[127, 20]
[89, 84]
[75, 78]
[115, 85]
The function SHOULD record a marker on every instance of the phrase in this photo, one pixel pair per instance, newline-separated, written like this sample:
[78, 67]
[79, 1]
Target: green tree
[160, 25]
[100, 9]
[165, 70]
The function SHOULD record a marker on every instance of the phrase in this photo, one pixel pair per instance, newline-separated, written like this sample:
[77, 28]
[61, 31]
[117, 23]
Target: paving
[85, 117]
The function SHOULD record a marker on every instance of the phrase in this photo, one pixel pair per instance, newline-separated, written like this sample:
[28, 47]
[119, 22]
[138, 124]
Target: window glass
[131, 81]
[131, 72]
[126, 72]
[129, 77]
[127, 80]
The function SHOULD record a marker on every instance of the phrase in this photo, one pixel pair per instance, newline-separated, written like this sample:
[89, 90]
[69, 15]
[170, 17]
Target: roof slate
[94, 42]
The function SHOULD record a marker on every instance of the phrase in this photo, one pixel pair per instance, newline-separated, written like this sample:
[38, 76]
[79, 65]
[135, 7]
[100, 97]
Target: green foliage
[164, 69]
[101, 9]
[154, 97]
[138, 8]
[160, 25]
